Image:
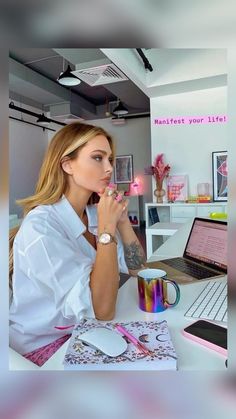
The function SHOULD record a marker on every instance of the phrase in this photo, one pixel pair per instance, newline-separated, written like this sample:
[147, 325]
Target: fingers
[125, 205]
[111, 192]
[119, 197]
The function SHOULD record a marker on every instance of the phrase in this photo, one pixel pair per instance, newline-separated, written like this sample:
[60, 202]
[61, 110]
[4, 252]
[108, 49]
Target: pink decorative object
[136, 188]
[177, 188]
[159, 170]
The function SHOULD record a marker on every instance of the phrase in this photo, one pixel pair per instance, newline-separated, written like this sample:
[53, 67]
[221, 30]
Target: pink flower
[159, 169]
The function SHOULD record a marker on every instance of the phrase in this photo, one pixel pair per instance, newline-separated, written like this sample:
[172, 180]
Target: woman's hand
[111, 209]
[124, 216]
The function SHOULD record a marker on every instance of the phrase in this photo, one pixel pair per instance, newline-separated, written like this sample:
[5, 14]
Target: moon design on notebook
[161, 340]
[143, 338]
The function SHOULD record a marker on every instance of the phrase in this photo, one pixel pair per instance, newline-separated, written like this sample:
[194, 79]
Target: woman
[67, 254]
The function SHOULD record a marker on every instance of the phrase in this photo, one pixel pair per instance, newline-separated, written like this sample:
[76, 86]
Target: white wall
[133, 138]
[174, 65]
[188, 148]
[27, 145]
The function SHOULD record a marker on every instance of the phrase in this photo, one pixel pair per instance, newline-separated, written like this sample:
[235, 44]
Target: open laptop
[205, 254]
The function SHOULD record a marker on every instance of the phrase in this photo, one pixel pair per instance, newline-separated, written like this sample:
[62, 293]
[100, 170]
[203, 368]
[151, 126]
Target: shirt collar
[71, 220]
[91, 211]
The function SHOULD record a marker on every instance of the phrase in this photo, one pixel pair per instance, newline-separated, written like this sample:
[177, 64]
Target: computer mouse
[105, 340]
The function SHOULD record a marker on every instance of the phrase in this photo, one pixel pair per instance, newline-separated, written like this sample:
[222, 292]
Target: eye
[97, 158]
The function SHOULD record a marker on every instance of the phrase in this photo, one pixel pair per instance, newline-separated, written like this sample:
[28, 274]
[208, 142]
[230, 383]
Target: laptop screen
[207, 243]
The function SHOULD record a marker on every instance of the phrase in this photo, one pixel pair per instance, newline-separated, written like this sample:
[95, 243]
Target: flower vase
[159, 192]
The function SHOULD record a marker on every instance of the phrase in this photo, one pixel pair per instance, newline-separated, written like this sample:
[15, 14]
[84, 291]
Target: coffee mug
[152, 290]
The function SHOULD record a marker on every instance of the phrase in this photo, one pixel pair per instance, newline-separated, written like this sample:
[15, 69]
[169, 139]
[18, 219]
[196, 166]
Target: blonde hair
[52, 180]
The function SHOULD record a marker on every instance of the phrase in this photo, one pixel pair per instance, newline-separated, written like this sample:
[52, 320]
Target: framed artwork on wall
[123, 169]
[220, 175]
[177, 188]
[124, 187]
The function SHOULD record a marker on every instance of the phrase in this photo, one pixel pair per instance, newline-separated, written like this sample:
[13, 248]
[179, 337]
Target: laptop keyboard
[189, 268]
[211, 303]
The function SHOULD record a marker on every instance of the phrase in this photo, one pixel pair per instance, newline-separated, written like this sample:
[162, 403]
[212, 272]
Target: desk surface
[191, 356]
[164, 226]
[175, 245]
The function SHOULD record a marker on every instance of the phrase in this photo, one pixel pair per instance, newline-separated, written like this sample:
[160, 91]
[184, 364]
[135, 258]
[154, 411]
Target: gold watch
[106, 238]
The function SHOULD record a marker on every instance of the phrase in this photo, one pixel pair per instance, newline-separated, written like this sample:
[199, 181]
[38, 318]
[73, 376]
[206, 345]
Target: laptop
[205, 254]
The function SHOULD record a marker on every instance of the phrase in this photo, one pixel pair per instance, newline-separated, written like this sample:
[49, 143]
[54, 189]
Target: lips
[106, 179]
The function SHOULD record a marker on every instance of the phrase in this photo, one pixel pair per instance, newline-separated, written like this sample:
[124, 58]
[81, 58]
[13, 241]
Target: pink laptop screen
[208, 243]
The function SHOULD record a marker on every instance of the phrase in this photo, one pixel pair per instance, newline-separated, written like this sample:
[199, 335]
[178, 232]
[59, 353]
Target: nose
[109, 167]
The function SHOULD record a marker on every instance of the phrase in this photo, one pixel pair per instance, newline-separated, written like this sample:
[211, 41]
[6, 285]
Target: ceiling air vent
[68, 118]
[66, 112]
[102, 74]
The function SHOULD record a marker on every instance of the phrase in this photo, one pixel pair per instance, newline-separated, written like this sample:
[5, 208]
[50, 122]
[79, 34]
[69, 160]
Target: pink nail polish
[112, 185]
[118, 198]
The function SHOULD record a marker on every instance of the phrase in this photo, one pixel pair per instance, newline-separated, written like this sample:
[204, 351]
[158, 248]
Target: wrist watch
[106, 238]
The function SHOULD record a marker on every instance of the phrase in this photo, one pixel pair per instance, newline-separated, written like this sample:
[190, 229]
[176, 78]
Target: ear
[66, 166]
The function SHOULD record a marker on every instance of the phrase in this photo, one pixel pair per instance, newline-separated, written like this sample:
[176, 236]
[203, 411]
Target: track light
[120, 109]
[43, 120]
[67, 78]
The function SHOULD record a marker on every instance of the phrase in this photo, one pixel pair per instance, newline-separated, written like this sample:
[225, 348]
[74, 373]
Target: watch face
[105, 238]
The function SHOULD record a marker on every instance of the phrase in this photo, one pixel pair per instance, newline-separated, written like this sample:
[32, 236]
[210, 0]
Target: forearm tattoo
[134, 255]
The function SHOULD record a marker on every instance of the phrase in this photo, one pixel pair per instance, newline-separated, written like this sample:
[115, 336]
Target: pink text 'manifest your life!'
[191, 120]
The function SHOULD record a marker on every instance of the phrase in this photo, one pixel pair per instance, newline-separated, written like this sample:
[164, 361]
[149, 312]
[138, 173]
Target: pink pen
[133, 339]
[64, 327]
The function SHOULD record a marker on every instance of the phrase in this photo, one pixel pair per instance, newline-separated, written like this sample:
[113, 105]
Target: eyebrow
[101, 151]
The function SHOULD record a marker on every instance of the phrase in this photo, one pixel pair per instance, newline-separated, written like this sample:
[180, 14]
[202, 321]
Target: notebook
[153, 215]
[154, 335]
[205, 254]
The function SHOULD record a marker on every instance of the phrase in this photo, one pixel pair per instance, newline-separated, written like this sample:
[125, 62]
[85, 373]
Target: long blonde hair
[52, 180]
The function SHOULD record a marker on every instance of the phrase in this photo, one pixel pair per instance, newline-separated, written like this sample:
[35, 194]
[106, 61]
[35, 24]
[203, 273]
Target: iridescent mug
[152, 290]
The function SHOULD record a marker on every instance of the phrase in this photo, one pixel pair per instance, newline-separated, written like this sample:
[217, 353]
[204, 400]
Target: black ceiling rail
[31, 123]
[147, 64]
[37, 115]
[133, 116]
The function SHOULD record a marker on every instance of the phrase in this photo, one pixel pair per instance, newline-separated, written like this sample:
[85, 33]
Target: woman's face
[92, 168]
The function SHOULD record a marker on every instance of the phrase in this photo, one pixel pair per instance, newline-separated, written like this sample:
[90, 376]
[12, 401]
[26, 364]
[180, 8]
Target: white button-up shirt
[52, 266]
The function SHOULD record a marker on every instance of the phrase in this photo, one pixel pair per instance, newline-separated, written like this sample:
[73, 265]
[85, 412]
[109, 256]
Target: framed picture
[123, 169]
[177, 188]
[124, 187]
[220, 175]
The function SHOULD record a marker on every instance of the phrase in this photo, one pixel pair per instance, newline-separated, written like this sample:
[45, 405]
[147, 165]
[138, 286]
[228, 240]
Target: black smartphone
[208, 334]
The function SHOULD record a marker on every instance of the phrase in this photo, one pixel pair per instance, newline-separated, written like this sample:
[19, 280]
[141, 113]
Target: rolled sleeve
[78, 302]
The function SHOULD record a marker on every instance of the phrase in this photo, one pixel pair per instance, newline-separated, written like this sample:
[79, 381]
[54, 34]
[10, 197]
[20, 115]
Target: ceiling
[34, 72]
[33, 81]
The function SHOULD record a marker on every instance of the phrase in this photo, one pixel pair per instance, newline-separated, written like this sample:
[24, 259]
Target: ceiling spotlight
[67, 78]
[43, 120]
[120, 109]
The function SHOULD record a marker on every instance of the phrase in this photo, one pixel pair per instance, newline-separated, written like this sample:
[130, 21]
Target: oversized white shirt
[52, 266]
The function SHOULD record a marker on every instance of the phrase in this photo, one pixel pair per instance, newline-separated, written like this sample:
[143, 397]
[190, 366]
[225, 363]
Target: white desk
[159, 229]
[18, 362]
[174, 246]
[191, 356]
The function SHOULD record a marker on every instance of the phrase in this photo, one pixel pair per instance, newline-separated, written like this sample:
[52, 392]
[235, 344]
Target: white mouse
[105, 340]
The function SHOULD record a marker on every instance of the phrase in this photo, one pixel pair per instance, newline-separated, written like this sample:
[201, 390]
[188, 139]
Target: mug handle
[177, 290]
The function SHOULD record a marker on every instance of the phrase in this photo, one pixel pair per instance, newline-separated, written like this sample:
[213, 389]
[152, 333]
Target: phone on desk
[208, 334]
